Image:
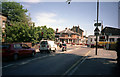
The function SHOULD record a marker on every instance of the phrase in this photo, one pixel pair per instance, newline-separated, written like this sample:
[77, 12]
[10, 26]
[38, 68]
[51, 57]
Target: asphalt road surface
[58, 63]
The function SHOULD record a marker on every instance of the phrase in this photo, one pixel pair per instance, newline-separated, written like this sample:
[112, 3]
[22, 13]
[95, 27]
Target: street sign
[97, 24]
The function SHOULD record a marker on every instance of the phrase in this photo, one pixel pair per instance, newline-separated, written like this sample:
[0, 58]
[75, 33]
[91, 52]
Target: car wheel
[48, 51]
[54, 50]
[33, 54]
[41, 51]
[15, 57]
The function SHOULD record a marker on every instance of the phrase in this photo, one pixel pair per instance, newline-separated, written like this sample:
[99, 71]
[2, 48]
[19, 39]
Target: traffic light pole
[97, 25]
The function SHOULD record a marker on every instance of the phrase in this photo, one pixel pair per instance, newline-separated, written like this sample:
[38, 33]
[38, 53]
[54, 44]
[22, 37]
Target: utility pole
[97, 25]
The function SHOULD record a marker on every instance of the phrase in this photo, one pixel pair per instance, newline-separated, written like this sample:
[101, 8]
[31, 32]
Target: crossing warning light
[42, 33]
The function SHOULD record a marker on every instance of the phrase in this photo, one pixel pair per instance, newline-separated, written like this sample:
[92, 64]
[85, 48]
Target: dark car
[14, 51]
[64, 47]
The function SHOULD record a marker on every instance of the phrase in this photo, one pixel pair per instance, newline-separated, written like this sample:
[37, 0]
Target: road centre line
[73, 66]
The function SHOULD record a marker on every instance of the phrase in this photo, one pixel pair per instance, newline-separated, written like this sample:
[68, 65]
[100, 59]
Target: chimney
[56, 30]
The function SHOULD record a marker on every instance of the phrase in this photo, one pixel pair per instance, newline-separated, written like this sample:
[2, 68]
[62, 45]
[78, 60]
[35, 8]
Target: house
[3, 20]
[110, 31]
[77, 30]
[67, 36]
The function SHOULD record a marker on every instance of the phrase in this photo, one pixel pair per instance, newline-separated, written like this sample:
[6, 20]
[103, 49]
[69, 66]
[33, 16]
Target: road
[74, 61]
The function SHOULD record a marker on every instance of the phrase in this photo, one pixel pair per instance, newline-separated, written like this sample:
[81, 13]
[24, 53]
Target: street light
[68, 1]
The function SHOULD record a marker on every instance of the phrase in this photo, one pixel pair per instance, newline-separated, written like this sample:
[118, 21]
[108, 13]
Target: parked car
[15, 51]
[64, 47]
[47, 46]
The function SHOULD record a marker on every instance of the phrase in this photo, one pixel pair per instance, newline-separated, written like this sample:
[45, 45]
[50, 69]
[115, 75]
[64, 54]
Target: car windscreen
[64, 44]
[44, 42]
[5, 46]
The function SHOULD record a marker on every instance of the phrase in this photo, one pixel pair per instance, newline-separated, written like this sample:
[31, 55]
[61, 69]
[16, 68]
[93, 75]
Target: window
[94, 39]
[91, 39]
[64, 44]
[17, 46]
[102, 38]
[112, 39]
[24, 46]
[5, 46]
[44, 42]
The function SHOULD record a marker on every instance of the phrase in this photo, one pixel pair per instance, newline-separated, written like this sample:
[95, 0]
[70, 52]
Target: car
[64, 47]
[16, 50]
[47, 46]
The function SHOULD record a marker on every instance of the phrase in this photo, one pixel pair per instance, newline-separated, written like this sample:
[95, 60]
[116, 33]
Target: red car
[15, 51]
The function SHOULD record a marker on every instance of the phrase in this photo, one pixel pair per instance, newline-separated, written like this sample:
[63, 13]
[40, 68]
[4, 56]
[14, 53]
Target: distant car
[15, 51]
[47, 46]
[64, 47]
[73, 43]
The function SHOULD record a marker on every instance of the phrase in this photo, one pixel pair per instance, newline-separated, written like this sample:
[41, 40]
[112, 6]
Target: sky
[61, 15]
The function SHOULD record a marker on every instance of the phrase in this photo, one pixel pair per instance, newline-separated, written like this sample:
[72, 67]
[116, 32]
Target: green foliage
[14, 11]
[20, 29]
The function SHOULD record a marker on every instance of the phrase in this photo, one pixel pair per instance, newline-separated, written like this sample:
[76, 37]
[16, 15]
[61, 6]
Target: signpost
[97, 24]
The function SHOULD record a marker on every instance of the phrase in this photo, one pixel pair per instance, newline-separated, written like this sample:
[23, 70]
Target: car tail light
[47, 46]
[39, 46]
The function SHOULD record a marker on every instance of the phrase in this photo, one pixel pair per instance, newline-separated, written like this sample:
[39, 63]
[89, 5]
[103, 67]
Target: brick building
[77, 30]
[68, 36]
[3, 20]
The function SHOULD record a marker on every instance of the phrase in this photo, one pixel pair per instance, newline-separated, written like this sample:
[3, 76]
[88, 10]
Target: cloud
[48, 19]
[45, 18]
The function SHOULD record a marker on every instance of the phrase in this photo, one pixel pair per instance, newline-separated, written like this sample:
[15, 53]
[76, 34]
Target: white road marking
[75, 66]
[6, 66]
[25, 62]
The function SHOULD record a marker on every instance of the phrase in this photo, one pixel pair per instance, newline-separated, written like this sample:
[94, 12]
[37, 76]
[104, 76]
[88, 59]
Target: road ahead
[59, 63]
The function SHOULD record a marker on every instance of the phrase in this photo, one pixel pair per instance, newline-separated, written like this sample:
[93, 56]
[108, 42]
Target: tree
[18, 32]
[14, 11]
[20, 28]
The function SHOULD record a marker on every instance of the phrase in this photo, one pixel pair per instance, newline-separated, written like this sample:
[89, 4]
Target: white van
[91, 41]
[47, 46]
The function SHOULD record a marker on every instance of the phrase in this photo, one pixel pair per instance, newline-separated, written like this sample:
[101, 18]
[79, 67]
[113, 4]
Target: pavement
[104, 63]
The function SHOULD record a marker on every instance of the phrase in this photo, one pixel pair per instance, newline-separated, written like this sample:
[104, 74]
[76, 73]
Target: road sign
[96, 34]
[96, 30]
[97, 24]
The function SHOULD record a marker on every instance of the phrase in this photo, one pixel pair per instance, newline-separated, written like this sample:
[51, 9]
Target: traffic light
[103, 37]
[42, 34]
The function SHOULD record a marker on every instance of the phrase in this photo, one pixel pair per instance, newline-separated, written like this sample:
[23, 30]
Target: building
[3, 20]
[77, 30]
[67, 36]
[110, 31]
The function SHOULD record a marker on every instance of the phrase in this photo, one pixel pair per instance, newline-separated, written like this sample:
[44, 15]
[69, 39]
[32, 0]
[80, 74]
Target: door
[27, 50]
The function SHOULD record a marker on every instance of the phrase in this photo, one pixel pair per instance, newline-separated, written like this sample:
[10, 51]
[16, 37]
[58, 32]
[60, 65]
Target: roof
[77, 27]
[68, 31]
[111, 30]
